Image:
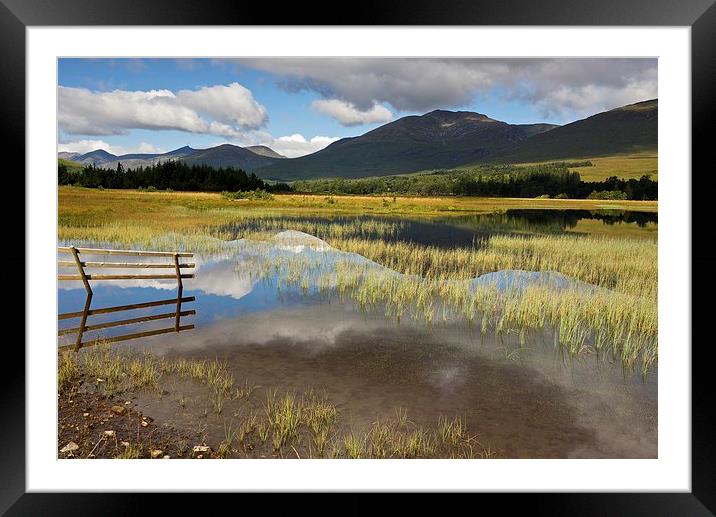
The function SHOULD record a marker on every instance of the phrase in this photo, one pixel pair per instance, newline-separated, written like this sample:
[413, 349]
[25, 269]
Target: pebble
[110, 433]
[201, 449]
[119, 410]
[72, 446]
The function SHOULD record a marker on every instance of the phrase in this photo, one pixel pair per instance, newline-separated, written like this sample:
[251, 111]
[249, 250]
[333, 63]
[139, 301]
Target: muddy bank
[201, 412]
[93, 426]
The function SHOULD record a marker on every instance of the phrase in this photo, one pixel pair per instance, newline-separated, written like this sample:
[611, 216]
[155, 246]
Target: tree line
[547, 180]
[174, 175]
[553, 180]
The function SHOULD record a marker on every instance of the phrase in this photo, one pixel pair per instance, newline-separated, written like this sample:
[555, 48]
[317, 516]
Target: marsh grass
[305, 425]
[401, 438]
[68, 371]
[245, 390]
[620, 322]
[401, 417]
[619, 319]
[114, 372]
[354, 446]
[451, 432]
[263, 431]
[284, 415]
[320, 416]
[248, 426]
[624, 265]
[130, 452]
[225, 447]
[203, 221]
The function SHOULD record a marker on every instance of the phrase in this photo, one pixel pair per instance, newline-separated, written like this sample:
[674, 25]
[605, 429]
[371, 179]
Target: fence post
[180, 289]
[88, 301]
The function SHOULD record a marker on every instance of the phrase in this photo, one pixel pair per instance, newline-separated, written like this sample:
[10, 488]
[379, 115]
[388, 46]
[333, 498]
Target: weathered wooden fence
[82, 265]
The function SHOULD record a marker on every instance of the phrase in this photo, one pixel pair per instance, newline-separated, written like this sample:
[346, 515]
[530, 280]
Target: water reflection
[445, 231]
[115, 270]
[272, 312]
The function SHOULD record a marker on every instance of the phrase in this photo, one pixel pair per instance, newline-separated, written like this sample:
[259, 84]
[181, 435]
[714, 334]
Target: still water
[525, 402]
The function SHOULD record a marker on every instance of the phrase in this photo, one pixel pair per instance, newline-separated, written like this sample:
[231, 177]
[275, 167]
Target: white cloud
[296, 145]
[146, 148]
[232, 104]
[348, 115]
[85, 146]
[224, 110]
[587, 85]
[291, 146]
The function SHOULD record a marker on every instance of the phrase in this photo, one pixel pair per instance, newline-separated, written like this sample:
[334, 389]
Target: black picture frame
[700, 15]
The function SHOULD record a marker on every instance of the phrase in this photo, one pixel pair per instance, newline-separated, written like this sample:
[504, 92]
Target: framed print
[448, 253]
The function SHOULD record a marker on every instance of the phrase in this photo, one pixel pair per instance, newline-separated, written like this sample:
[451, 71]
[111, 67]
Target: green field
[624, 166]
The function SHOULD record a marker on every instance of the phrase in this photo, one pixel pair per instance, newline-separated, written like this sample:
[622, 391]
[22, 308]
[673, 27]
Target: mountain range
[437, 140]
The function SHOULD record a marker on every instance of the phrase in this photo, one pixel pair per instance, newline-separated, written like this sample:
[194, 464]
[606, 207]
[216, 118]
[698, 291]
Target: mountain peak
[185, 149]
[263, 150]
[459, 115]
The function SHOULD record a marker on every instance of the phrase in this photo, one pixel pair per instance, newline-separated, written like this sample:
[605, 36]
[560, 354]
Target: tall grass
[620, 318]
[623, 265]
[617, 315]
[287, 420]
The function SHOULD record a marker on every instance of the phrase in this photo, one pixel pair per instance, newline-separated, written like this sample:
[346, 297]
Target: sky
[298, 106]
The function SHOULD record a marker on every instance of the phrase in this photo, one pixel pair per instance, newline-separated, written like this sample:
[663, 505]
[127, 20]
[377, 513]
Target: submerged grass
[624, 265]
[613, 312]
[115, 372]
[619, 319]
[307, 422]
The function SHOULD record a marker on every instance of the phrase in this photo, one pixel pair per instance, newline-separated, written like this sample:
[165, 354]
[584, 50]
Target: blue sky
[299, 105]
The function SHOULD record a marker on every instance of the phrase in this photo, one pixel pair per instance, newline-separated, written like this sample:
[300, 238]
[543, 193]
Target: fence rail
[85, 277]
[99, 251]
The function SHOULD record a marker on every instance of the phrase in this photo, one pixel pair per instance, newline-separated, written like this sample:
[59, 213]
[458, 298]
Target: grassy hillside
[70, 164]
[624, 166]
[627, 130]
[439, 139]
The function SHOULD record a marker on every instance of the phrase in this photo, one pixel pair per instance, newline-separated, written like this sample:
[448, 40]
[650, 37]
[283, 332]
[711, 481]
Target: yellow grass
[189, 219]
[624, 166]
[625, 316]
[626, 230]
[94, 206]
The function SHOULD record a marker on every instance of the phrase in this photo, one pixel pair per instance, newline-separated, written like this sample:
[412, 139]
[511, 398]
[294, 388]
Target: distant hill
[64, 155]
[69, 163]
[262, 150]
[628, 129]
[220, 156]
[98, 156]
[439, 139]
[227, 155]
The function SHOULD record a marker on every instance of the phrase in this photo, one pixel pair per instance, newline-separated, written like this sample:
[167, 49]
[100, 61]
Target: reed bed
[623, 265]
[115, 372]
[289, 422]
[618, 318]
[615, 323]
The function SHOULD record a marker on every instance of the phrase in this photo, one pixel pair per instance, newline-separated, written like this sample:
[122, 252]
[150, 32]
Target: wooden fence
[82, 265]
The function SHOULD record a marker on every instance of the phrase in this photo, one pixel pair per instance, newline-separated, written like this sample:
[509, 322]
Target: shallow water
[523, 401]
[454, 230]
